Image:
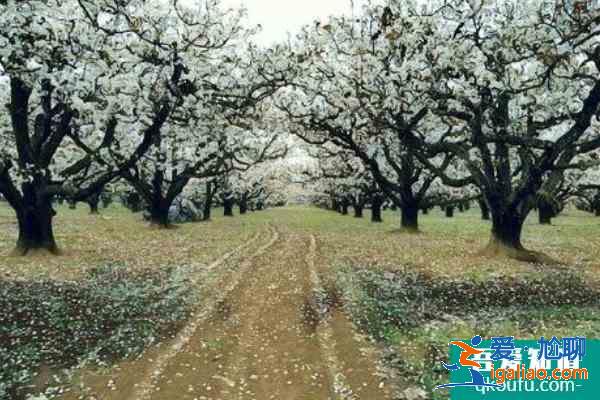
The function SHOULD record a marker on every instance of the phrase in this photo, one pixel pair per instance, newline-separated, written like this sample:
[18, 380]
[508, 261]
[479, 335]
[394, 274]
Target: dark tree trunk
[94, 208]
[334, 204]
[260, 206]
[72, 204]
[207, 209]
[376, 210]
[345, 206]
[159, 214]
[595, 205]
[106, 201]
[425, 211]
[506, 230]
[243, 204]
[93, 202]
[228, 207]
[410, 218]
[134, 202]
[358, 210]
[210, 194]
[35, 222]
[461, 208]
[545, 211]
[485, 210]
[159, 204]
[507, 226]
[467, 205]
[449, 211]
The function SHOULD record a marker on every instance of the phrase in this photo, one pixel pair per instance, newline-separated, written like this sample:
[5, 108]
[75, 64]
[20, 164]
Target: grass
[415, 316]
[119, 236]
[109, 314]
[447, 247]
[415, 293]
[117, 287]
[356, 258]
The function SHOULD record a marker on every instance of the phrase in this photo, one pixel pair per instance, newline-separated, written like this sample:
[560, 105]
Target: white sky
[278, 17]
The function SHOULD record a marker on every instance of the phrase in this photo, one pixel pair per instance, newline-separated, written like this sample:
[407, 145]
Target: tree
[341, 92]
[517, 111]
[211, 188]
[205, 93]
[583, 186]
[62, 113]
[349, 182]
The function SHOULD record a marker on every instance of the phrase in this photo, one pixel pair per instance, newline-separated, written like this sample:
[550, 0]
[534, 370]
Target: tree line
[409, 104]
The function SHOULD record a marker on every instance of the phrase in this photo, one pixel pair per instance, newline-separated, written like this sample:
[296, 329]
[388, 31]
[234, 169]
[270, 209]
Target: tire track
[146, 386]
[132, 376]
[325, 333]
[264, 332]
[258, 345]
[353, 363]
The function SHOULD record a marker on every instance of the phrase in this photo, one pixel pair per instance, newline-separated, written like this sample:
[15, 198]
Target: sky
[278, 17]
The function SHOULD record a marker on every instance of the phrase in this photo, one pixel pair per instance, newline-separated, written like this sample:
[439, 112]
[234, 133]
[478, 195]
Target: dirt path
[264, 337]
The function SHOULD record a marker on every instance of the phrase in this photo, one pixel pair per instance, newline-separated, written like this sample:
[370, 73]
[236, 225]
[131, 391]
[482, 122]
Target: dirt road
[260, 334]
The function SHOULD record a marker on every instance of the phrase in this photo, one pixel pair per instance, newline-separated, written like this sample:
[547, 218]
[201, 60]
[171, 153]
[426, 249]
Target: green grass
[109, 314]
[415, 326]
[119, 236]
[445, 247]
[446, 250]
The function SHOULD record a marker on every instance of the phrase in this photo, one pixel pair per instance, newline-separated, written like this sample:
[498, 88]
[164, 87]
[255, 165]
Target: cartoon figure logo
[468, 351]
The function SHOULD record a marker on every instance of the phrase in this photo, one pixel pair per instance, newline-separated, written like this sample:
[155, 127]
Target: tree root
[410, 231]
[496, 249]
[21, 251]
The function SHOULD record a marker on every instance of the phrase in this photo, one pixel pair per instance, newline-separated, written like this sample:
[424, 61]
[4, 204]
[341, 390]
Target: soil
[260, 334]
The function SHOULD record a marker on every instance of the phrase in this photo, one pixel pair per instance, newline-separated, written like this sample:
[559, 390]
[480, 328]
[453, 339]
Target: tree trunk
[449, 211]
[35, 222]
[106, 201]
[334, 204]
[507, 226]
[506, 239]
[545, 212]
[210, 194]
[461, 208]
[376, 210]
[345, 206]
[595, 204]
[425, 211]
[358, 211]
[506, 230]
[228, 207]
[485, 210]
[93, 202]
[243, 204]
[159, 214]
[206, 210]
[410, 218]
